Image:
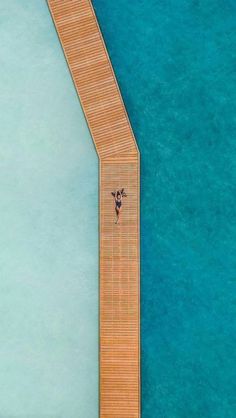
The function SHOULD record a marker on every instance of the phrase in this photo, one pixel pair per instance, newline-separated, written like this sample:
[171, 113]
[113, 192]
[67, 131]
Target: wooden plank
[118, 154]
[93, 76]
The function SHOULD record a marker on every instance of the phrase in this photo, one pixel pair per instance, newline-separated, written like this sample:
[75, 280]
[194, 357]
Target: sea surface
[48, 226]
[176, 66]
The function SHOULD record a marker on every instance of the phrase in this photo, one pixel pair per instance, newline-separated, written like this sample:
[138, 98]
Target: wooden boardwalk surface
[97, 88]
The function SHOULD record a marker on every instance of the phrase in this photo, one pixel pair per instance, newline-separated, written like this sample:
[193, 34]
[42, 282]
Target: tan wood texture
[118, 154]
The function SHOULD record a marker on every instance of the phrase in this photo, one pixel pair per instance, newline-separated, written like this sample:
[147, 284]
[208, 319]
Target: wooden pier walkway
[118, 154]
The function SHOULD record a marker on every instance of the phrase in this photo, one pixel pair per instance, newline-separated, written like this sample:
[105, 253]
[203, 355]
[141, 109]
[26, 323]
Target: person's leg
[117, 215]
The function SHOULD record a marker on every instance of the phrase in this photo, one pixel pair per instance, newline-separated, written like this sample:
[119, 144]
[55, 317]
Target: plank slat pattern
[119, 292]
[100, 97]
[93, 76]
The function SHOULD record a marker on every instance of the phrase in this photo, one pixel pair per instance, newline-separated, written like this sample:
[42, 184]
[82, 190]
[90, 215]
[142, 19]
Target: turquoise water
[48, 228]
[176, 65]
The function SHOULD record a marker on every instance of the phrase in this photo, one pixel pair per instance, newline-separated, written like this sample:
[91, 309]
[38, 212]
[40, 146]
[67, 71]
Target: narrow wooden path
[118, 154]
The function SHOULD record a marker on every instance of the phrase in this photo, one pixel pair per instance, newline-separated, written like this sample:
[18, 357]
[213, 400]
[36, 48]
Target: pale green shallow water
[48, 228]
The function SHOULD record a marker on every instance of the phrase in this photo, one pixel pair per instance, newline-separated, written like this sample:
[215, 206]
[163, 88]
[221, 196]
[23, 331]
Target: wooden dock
[118, 154]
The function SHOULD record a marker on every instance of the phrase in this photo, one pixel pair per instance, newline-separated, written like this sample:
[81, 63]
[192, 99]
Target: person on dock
[118, 196]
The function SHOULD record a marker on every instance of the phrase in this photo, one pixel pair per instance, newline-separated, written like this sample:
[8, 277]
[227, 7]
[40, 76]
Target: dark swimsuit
[118, 203]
